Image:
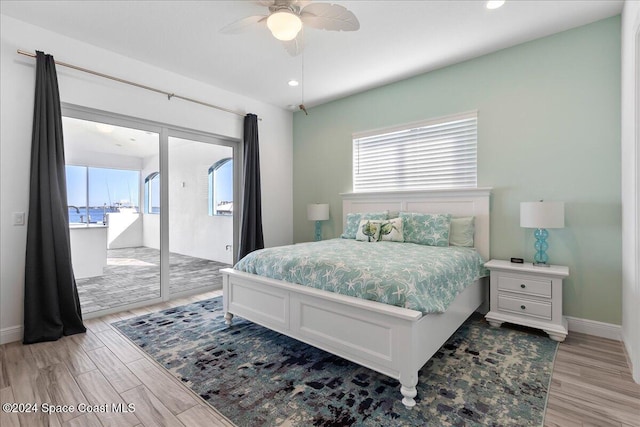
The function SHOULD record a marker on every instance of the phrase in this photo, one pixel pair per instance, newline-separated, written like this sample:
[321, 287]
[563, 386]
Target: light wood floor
[591, 383]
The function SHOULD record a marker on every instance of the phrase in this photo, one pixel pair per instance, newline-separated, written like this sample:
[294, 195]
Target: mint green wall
[549, 128]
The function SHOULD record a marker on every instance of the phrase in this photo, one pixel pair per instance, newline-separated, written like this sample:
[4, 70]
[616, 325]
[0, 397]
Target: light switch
[18, 218]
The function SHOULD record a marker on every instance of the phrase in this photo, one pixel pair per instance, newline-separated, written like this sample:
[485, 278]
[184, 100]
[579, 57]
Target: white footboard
[391, 340]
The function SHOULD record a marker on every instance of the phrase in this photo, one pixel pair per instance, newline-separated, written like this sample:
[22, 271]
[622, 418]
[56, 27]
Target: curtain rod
[117, 79]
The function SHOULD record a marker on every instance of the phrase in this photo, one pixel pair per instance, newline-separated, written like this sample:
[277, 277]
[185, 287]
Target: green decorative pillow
[368, 230]
[391, 230]
[353, 221]
[462, 230]
[426, 229]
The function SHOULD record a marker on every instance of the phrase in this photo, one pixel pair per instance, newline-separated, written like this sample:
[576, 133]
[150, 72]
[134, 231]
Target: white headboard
[463, 202]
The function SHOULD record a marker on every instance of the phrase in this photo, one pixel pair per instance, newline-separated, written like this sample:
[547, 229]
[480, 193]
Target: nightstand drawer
[525, 285]
[524, 307]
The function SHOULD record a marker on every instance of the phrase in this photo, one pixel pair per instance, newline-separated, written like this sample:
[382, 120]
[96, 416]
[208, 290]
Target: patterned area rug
[256, 377]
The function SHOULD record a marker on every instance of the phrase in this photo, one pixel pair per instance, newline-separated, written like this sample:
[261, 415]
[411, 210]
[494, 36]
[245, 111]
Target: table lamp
[318, 212]
[541, 215]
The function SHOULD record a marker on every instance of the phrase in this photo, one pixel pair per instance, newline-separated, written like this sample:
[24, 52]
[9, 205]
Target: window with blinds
[438, 153]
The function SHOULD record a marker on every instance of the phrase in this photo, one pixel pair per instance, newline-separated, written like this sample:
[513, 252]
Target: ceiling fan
[286, 19]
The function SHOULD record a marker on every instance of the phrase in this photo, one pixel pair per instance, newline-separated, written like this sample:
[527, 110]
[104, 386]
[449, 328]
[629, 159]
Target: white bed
[394, 341]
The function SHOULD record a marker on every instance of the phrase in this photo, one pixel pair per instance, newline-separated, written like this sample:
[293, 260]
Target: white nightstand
[527, 295]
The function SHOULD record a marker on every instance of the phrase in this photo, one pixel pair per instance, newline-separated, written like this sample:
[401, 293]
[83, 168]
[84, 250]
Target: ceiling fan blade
[300, 3]
[295, 46]
[332, 17]
[266, 3]
[244, 24]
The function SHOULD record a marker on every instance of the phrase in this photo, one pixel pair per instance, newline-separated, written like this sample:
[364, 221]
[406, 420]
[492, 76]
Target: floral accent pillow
[461, 232]
[353, 221]
[426, 229]
[391, 230]
[368, 230]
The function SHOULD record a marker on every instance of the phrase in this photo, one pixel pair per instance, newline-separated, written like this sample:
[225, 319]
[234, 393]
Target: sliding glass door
[201, 212]
[152, 209]
[115, 242]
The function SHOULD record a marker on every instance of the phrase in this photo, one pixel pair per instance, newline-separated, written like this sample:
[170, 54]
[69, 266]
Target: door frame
[165, 131]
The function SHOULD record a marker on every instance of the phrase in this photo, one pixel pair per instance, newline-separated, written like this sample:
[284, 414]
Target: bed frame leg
[408, 390]
[228, 318]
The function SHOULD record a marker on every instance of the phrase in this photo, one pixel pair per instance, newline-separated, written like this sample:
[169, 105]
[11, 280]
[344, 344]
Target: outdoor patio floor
[133, 275]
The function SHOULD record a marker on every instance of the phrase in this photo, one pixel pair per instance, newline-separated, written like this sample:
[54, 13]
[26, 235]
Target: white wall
[192, 231]
[124, 230]
[17, 77]
[631, 183]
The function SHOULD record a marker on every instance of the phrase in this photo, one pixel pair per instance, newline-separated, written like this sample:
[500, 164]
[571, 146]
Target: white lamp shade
[542, 214]
[318, 212]
[284, 25]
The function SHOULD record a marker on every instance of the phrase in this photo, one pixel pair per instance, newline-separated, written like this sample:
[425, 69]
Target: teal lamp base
[318, 231]
[541, 259]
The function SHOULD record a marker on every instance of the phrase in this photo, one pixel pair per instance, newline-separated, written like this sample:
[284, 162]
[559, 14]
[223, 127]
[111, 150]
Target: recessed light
[494, 4]
[293, 83]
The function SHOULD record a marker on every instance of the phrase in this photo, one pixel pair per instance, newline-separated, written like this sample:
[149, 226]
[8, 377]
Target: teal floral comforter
[418, 277]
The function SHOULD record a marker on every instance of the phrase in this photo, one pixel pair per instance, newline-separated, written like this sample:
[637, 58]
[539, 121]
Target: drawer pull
[523, 285]
[523, 307]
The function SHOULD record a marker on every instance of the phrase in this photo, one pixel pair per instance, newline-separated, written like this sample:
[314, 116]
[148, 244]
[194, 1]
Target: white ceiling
[86, 136]
[396, 40]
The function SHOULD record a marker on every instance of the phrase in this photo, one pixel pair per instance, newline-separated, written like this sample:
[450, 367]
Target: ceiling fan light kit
[284, 24]
[287, 18]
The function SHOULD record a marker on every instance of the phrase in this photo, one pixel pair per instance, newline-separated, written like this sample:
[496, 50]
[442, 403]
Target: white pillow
[368, 230]
[391, 230]
[353, 221]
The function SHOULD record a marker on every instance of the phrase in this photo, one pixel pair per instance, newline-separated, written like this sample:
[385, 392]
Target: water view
[93, 192]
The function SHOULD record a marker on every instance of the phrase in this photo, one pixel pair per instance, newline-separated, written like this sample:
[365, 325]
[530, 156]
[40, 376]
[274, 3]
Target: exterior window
[438, 153]
[221, 187]
[92, 193]
[152, 193]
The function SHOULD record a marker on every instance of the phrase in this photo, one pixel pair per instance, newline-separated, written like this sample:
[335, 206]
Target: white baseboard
[7, 335]
[633, 359]
[592, 327]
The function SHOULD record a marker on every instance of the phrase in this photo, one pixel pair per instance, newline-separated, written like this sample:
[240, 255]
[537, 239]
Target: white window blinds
[439, 153]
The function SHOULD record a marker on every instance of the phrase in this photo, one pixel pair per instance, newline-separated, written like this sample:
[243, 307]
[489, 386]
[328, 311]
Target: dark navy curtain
[251, 232]
[51, 304]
